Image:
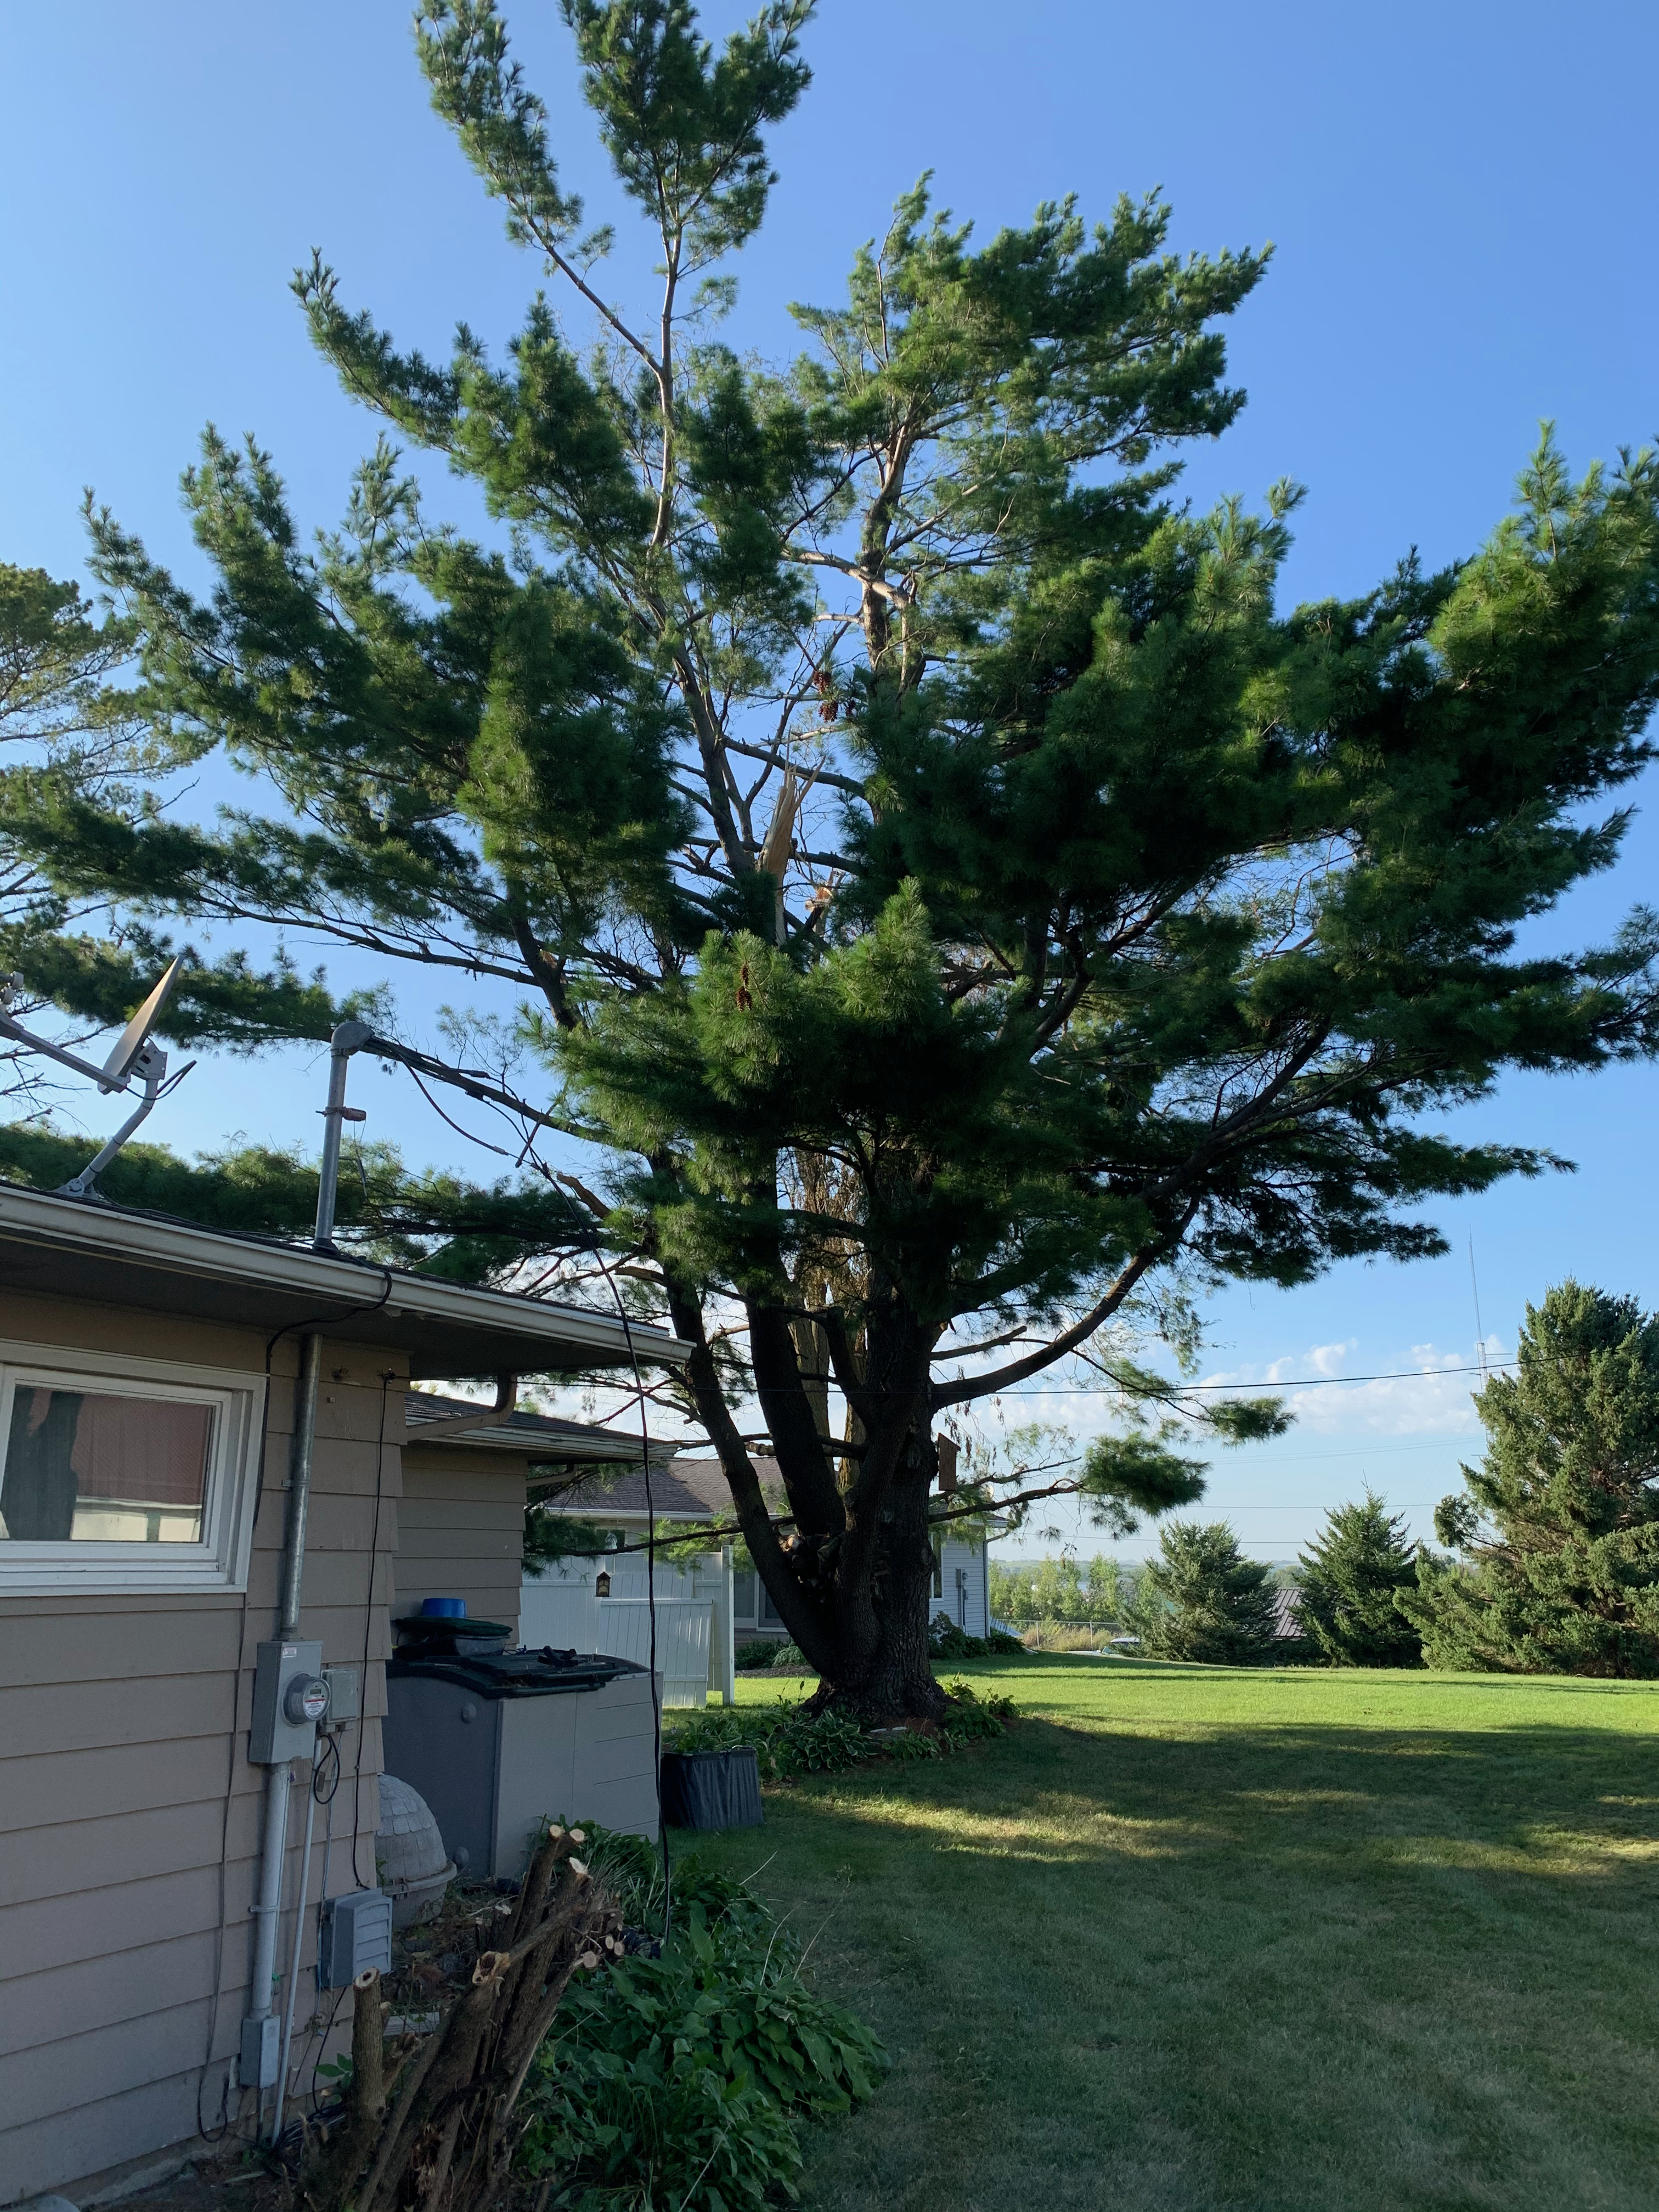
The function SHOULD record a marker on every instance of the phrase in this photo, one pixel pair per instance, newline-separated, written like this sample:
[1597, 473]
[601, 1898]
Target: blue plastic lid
[444, 1608]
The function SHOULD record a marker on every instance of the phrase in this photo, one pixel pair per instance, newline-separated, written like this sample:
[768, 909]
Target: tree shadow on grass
[1278, 1968]
[1555, 1801]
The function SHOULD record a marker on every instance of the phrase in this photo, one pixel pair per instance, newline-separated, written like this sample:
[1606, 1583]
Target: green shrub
[946, 1640]
[677, 2084]
[787, 1741]
[973, 1717]
[758, 1651]
[631, 1869]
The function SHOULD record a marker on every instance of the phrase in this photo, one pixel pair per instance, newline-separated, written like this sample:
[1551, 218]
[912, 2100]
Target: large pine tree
[1559, 1527]
[955, 914]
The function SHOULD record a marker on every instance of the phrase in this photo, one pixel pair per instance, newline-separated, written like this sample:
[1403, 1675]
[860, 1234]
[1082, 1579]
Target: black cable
[331, 1752]
[650, 1593]
[368, 1623]
[219, 2133]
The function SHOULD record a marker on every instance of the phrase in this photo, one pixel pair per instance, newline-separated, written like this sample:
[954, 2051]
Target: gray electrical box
[262, 2042]
[282, 1727]
[345, 1693]
[356, 1935]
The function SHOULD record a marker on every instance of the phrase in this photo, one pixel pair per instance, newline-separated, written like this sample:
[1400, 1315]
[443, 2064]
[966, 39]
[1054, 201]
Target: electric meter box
[284, 1714]
[357, 1935]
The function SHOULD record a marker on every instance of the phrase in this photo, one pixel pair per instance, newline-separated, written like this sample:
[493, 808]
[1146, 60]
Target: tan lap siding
[461, 1531]
[126, 1877]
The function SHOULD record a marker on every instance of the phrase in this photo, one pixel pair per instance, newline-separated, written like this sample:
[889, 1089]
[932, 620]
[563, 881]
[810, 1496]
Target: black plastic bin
[711, 1789]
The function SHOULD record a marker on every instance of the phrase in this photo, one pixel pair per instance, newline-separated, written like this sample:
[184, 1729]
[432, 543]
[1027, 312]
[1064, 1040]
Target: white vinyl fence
[693, 1655]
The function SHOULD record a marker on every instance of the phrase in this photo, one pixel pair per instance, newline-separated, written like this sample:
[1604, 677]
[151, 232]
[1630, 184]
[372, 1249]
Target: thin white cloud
[1424, 1392]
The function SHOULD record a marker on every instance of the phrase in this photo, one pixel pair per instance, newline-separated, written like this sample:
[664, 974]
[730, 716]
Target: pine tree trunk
[889, 1677]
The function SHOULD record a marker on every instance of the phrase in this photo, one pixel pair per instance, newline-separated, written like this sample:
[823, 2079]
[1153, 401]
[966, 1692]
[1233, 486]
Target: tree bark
[888, 1675]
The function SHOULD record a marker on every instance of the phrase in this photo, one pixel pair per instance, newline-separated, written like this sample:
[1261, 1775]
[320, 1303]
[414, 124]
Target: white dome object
[409, 1851]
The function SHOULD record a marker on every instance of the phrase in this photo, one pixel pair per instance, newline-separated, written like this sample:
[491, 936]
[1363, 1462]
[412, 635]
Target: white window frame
[220, 1561]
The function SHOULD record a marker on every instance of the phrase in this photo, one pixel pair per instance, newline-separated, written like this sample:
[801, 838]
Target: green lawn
[1191, 1937]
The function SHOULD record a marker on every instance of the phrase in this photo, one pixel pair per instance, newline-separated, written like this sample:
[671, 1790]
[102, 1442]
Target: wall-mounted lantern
[601, 1582]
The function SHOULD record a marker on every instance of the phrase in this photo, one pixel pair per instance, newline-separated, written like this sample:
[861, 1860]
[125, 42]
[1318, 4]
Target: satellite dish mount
[136, 1059]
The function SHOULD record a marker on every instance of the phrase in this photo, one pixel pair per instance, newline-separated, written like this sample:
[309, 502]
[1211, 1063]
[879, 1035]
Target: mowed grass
[1194, 1937]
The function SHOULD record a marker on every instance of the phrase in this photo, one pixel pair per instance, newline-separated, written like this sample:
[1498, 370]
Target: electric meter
[305, 1700]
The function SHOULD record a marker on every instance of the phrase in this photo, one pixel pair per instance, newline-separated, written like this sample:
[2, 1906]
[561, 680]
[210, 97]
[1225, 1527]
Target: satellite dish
[136, 1036]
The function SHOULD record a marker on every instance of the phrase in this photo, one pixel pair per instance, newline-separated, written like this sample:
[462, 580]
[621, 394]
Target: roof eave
[108, 1256]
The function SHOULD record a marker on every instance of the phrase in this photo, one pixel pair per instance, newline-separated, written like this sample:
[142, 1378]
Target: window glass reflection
[90, 1466]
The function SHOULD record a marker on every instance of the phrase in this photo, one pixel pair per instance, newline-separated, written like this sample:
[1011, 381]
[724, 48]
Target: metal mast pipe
[298, 1483]
[348, 1038]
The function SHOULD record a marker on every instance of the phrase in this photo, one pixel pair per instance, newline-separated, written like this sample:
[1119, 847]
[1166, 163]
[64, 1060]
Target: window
[119, 1474]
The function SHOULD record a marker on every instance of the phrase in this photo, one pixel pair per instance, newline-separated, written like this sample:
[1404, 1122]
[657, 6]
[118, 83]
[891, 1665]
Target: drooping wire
[368, 1625]
[650, 1589]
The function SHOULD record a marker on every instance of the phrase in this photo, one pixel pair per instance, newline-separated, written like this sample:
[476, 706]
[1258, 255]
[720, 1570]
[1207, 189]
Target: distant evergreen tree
[1203, 1600]
[1346, 1590]
[1559, 1526]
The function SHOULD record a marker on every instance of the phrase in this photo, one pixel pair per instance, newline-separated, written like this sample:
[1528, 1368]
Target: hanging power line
[1297, 1382]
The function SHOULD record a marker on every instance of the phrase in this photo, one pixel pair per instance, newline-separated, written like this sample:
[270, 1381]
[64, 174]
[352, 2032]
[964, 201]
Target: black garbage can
[711, 1789]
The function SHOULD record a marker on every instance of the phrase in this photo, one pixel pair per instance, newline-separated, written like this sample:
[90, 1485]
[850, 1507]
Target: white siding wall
[967, 1603]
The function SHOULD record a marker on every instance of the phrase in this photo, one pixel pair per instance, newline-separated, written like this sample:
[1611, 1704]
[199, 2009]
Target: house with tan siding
[206, 1449]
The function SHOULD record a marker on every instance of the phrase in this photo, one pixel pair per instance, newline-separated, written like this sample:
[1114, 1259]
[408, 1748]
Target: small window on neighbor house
[743, 1585]
[123, 1473]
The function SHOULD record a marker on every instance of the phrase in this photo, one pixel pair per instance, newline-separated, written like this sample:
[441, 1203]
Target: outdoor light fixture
[601, 1582]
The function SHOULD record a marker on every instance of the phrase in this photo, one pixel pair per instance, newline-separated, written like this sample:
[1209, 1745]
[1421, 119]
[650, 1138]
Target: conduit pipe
[292, 1990]
[268, 1905]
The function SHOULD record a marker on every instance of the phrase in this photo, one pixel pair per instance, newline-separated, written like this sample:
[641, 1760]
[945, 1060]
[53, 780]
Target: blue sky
[1461, 198]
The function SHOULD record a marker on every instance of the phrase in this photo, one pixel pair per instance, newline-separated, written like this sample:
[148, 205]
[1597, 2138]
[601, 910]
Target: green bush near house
[789, 1742]
[680, 2083]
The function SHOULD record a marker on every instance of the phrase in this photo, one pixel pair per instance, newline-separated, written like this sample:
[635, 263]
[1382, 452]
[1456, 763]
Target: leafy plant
[970, 1718]
[946, 1640]
[679, 2082]
[759, 1651]
[786, 1740]
[631, 1869]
